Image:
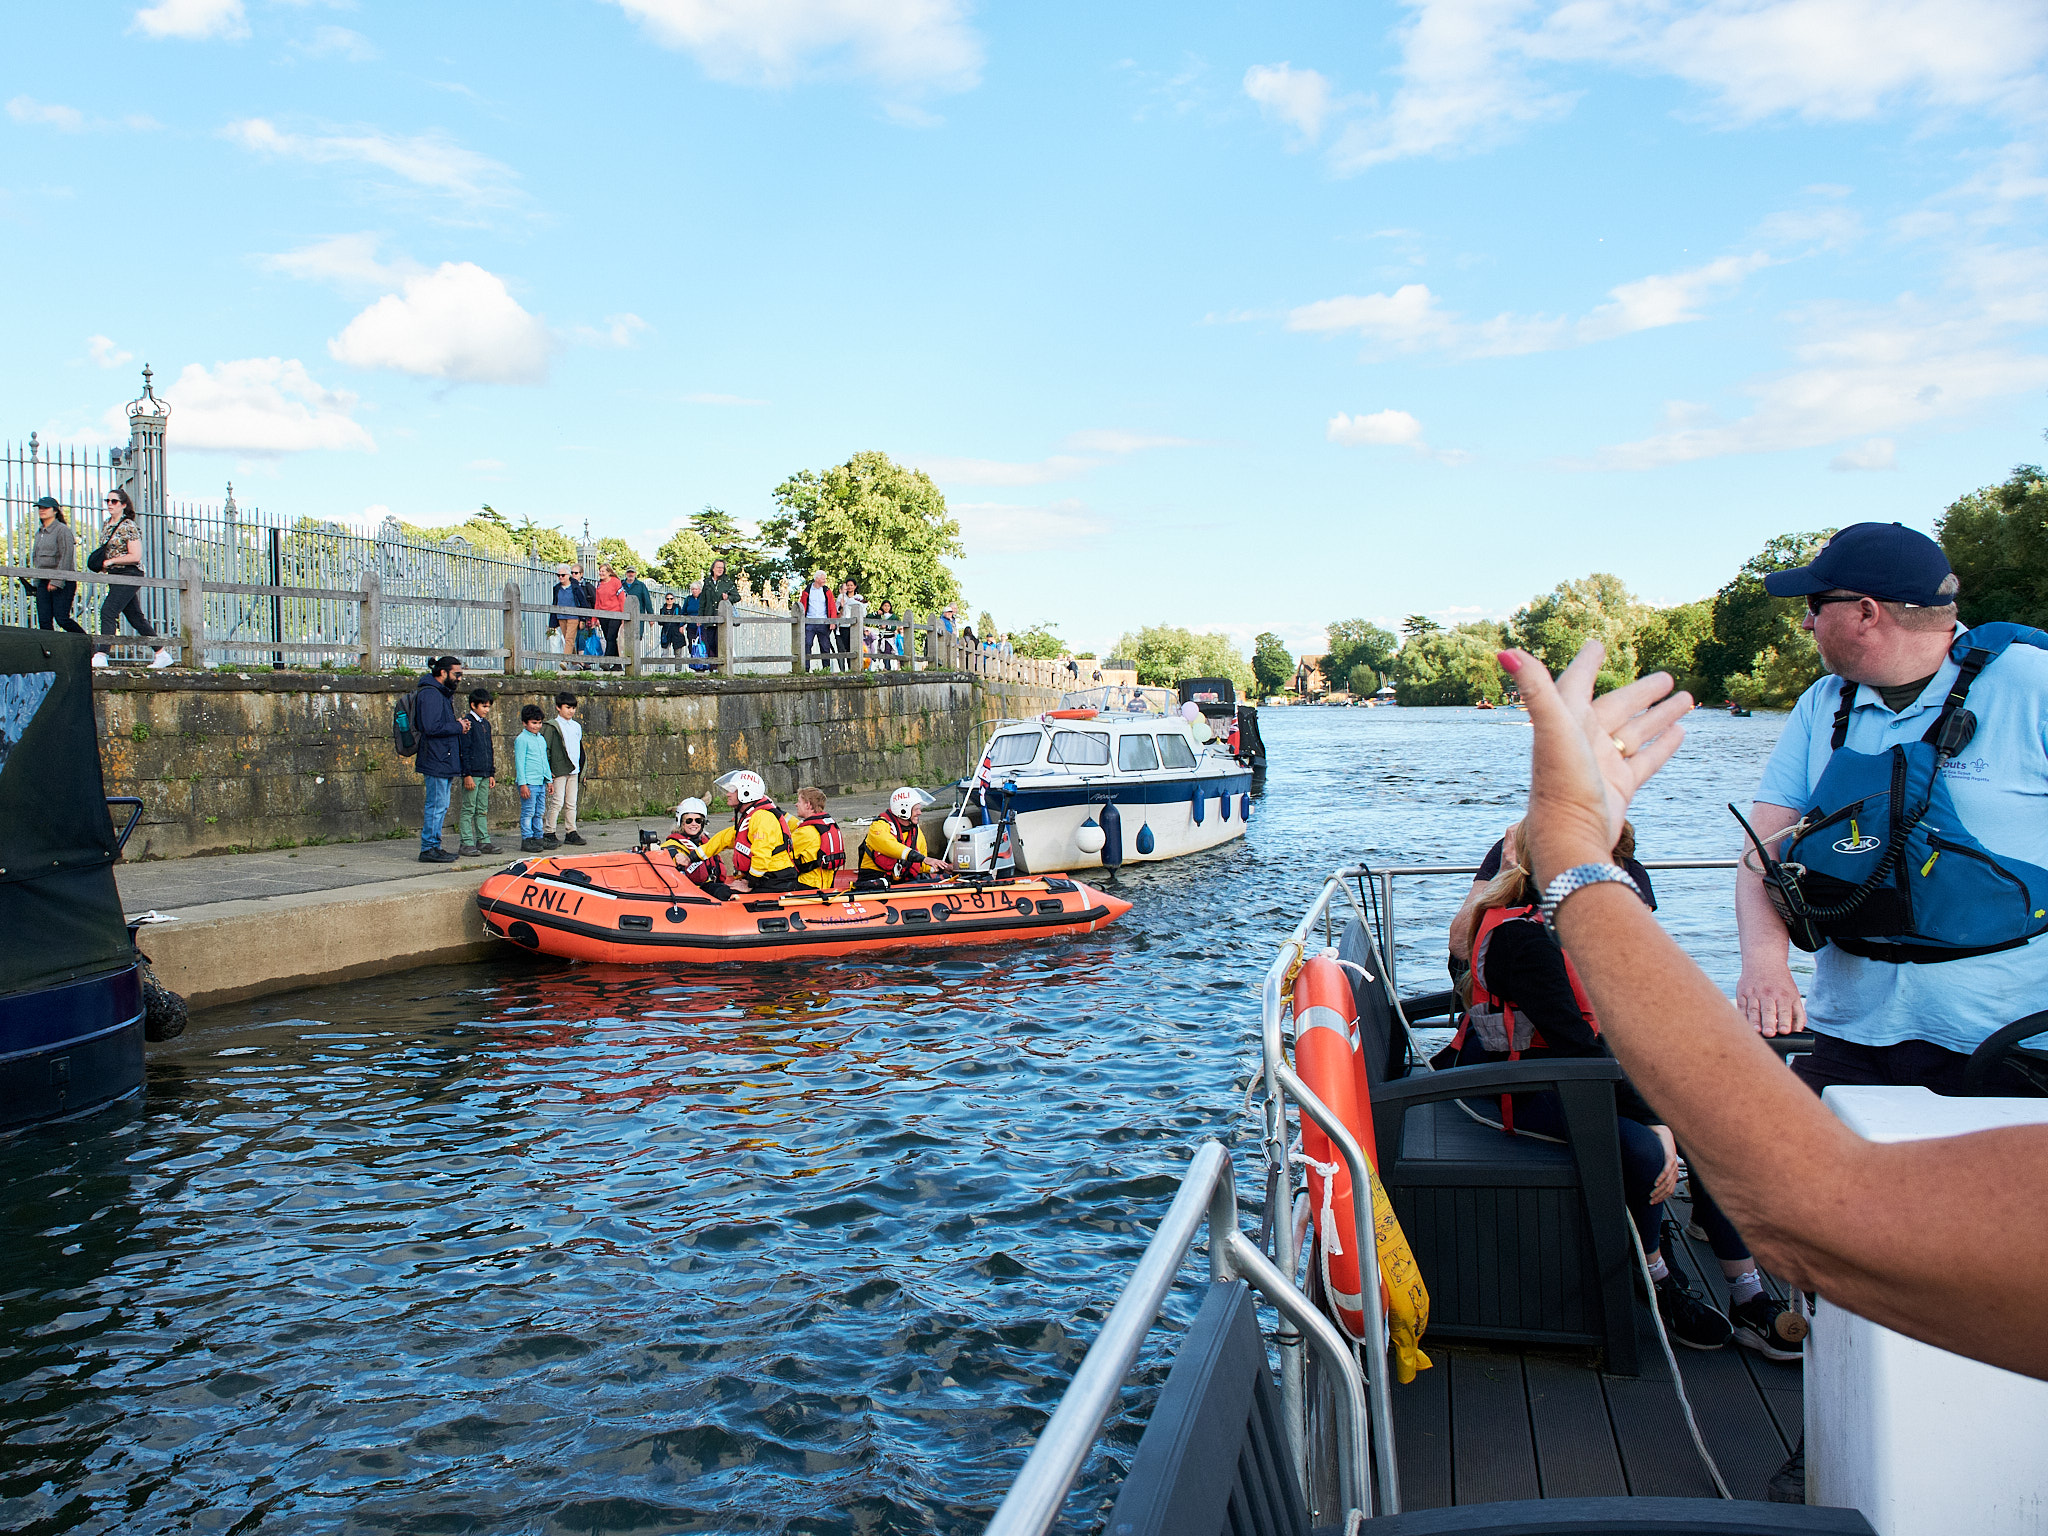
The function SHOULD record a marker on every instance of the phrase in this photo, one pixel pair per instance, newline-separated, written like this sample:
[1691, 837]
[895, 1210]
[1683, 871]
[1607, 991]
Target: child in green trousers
[479, 773]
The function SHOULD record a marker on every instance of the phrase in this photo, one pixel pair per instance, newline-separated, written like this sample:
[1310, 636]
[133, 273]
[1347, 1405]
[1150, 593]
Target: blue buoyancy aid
[1883, 867]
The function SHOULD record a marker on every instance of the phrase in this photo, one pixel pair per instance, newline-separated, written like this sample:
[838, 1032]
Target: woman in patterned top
[124, 558]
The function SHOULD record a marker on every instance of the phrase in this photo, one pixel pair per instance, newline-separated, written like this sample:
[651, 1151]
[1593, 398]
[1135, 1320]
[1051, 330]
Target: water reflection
[524, 1248]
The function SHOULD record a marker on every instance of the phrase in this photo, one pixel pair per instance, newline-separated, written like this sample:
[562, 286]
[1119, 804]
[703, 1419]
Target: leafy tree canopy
[1420, 624]
[1271, 665]
[617, 554]
[874, 520]
[1165, 654]
[1746, 617]
[1363, 682]
[1458, 667]
[684, 557]
[985, 626]
[1996, 539]
[1669, 639]
[490, 532]
[1356, 643]
[746, 560]
[1782, 670]
[1597, 607]
[1041, 642]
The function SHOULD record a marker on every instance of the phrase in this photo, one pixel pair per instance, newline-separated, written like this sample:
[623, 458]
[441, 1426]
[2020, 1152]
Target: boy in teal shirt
[530, 769]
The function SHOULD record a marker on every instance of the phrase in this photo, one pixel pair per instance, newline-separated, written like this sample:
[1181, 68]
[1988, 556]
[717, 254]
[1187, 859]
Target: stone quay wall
[229, 762]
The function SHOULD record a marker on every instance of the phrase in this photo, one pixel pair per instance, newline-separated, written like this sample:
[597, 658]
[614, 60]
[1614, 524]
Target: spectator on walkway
[639, 604]
[699, 639]
[673, 640]
[479, 775]
[949, 619]
[567, 594]
[530, 768]
[888, 637]
[439, 759]
[123, 546]
[853, 619]
[566, 758]
[718, 588]
[820, 605]
[56, 549]
[611, 606]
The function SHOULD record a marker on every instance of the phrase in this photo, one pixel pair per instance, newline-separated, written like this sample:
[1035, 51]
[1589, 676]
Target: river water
[524, 1248]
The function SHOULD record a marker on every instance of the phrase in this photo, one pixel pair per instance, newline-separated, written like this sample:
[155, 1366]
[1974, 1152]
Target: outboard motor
[1251, 749]
[1112, 837]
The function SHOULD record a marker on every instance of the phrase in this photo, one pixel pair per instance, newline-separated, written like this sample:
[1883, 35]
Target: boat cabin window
[1176, 752]
[1014, 750]
[1136, 754]
[1080, 749]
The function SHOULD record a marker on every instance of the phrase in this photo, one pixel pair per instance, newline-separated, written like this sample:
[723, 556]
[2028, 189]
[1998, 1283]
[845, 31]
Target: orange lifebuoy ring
[1326, 1056]
[1071, 714]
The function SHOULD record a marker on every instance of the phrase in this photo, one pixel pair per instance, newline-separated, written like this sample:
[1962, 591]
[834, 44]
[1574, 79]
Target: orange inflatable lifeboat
[636, 908]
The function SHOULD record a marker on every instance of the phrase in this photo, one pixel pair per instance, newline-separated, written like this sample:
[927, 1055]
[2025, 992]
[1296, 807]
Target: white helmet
[693, 807]
[908, 802]
[744, 785]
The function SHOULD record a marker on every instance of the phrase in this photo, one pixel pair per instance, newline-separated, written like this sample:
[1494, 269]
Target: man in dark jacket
[440, 755]
[719, 587]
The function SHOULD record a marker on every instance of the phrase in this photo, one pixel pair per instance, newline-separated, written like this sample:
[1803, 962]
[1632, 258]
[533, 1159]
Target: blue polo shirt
[2000, 787]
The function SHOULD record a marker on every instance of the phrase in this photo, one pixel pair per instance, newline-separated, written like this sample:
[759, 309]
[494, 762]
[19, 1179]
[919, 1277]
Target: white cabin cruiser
[1114, 776]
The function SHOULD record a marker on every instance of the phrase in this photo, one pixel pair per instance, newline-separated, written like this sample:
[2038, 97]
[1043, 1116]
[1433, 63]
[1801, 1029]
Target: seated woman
[1526, 997]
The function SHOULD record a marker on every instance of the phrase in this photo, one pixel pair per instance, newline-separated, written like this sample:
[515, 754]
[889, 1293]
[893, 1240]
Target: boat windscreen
[1013, 749]
[1136, 754]
[1175, 751]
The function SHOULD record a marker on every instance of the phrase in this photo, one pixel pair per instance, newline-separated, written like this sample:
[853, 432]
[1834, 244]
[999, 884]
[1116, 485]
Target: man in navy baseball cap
[1887, 561]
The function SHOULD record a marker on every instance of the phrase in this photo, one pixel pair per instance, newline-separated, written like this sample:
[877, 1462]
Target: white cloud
[348, 262]
[431, 161]
[193, 19]
[1876, 453]
[25, 109]
[338, 43]
[1411, 320]
[457, 322]
[1473, 72]
[909, 43]
[1388, 429]
[998, 528]
[105, 353]
[263, 405]
[1300, 98]
[618, 331]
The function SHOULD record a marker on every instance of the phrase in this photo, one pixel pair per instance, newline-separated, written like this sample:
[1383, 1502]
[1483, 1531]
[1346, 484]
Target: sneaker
[99, 658]
[532, 845]
[486, 847]
[468, 851]
[551, 841]
[574, 839]
[1687, 1316]
[1768, 1326]
[1695, 1231]
[163, 659]
[436, 856]
[1788, 1483]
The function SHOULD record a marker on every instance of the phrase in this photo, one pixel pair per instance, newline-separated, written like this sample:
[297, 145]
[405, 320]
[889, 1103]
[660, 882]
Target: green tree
[756, 568]
[1041, 642]
[874, 520]
[1164, 654]
[1996, 539]
[1669, 639]
[1746, 617]
[1458, 667]
[1363, 682]
[1356, 643]
[618, 554]
[985, 626]
[1420, 624]
[1272, 667]
[1598, 607]
[490, 532]
[1781, 671]
[684, 557]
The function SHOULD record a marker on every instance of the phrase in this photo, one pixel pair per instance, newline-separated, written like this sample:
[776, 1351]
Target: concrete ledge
[234, 950]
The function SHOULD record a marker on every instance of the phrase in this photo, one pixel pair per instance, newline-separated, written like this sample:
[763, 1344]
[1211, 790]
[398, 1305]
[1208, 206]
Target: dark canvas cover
[60, 913]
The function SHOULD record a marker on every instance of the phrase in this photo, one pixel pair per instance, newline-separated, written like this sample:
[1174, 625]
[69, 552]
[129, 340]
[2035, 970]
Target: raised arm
[1930, 1238]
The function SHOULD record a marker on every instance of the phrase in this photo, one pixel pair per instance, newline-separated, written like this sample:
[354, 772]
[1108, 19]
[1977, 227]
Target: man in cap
[1881, 604]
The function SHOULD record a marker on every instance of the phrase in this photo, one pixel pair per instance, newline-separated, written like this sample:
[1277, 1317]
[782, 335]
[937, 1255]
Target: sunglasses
[1815, 601]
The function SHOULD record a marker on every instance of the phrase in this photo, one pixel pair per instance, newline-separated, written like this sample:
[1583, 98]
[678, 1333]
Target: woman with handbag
[55, 550]
[120, 554]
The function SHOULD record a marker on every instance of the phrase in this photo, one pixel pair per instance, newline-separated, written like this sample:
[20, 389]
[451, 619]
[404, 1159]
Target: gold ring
[1622, 747]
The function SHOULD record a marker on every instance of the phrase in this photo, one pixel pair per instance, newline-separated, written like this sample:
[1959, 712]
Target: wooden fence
[925, 647]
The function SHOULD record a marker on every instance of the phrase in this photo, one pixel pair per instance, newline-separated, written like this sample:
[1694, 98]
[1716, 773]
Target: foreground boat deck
[1490, 1424]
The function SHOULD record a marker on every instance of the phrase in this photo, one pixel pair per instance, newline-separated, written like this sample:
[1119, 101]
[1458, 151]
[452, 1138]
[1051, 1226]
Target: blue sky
[1235, 316]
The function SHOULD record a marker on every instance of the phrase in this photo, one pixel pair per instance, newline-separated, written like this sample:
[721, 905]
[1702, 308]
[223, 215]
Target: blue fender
[1223, 803]
[1199, 798]
[1244, 807]
[1112, 837]
[1146, 841]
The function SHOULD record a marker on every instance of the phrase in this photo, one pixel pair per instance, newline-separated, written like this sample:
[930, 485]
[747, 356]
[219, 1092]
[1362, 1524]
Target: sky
[1242, 317]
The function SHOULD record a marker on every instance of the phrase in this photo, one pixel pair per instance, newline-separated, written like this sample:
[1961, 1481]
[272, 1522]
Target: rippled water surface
[517, 1247]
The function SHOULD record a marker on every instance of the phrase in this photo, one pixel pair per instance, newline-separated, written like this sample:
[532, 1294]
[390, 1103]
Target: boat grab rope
[1692, 1424]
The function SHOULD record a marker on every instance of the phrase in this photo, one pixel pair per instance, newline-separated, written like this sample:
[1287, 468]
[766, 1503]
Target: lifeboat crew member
[686, 846]
[894, 849]
[763, 856]
[820, 847]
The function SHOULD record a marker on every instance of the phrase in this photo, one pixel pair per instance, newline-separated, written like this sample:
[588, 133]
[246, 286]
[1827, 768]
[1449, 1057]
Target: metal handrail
[1385, 877]
[1208, 1194]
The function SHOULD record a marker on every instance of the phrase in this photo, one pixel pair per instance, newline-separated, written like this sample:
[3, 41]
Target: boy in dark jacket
[479, 775]
[440, 755]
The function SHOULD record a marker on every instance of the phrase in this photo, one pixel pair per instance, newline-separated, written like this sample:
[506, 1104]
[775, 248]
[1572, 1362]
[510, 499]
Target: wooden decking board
[1576, 1456]
[1422, 1435]
[1494, 1458]
[1657, 1454]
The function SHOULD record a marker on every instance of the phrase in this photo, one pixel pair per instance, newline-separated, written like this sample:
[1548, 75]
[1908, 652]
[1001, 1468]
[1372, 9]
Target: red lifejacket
[831, 845]
[1483, 999]
[742, 835]
[696, 868]
[910, 834]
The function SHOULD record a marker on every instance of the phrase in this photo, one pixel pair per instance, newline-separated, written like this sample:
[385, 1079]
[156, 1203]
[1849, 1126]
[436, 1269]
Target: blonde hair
[1514, 886]
[812, 796]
